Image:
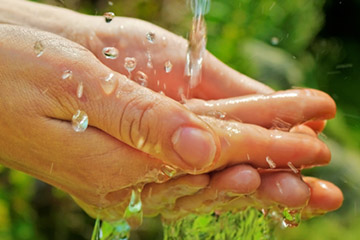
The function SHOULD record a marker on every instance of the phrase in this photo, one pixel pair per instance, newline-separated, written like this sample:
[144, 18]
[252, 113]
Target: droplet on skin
[67, 75]
[108, 83]
[80, 89]
[271, 163]
[109, 16]
[168, 66]
[150, 36]
[110, 52]
[80, 121]
[292, 167]
[275, 40]
[141, 78]
[39, 48]
[168, 170]
[130, 64]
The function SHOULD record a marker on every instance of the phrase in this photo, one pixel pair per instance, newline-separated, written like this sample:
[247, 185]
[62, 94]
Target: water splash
[96, 235]
[109, 16]
[80, 121]
[168, 66]
[197, 42]
[110, 52]
[39, 48]
[119, 230]
[67, 75]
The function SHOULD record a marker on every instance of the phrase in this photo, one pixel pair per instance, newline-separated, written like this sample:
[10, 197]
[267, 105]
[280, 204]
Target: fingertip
[325, 196]
[284, 188]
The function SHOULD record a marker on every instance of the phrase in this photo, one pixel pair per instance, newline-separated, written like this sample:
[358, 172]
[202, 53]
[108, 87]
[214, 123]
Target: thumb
[137, 116]
[151, 122]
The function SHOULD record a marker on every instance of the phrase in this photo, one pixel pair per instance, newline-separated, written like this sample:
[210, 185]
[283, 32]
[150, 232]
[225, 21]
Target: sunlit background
[297, 43]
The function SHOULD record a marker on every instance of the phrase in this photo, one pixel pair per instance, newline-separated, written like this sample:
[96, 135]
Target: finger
[221, 81]
[283, 188]
[134, 115]
[282, 109]
[257, 146]
[159, 196]
[325, 197]
[318, 126]
[224, 185]
[304, 129]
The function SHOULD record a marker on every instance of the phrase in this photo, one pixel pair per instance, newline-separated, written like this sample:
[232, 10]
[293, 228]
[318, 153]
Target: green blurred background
[297, 43]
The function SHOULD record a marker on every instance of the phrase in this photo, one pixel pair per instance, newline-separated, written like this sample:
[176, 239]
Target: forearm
[47, 18]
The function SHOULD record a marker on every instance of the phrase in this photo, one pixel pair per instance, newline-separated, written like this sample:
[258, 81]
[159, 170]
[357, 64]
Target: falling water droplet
[80, 121]
[271, 163]
[110, 52]
[96, 234]
[292, 167]
[108, 83]
[133, 213]
[150, 36]
[130, 64]
[168, 66]
[275, 40]
[109, 16]
[39, 48]
[80, 89]
[141, 78]
[67, 75]
[110, 3]
[168, 170]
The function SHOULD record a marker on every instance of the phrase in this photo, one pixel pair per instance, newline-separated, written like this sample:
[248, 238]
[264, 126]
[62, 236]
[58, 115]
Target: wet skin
[94, 166]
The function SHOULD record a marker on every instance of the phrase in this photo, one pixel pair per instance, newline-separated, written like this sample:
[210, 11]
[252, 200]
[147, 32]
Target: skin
[125, 121]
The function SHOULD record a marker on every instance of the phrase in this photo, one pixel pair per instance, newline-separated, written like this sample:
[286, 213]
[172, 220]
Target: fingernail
[196, 147]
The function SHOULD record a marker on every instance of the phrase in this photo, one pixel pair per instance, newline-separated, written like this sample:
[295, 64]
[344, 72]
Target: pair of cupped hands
[185, 159]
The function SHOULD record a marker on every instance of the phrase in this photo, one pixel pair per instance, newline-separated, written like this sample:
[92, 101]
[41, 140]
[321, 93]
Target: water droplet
[162, 93]
[108, 83]
[130, 64]
[141, 78]
[80, 89]
[39, 48]
[275, 40]
[96, 235]
[292, 167]
[168, 170]
[110, 52]
[80, 121]
[271, 163]
[109, 16]
[67, 75]
[291, 218]
[133, 213]
[168, 66]
[110, 3]
[150, 36]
